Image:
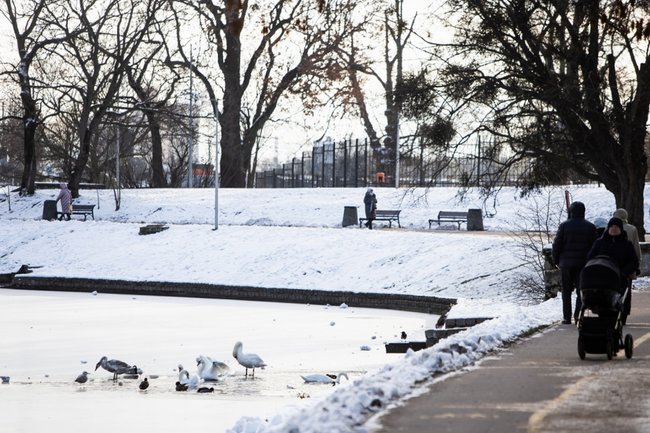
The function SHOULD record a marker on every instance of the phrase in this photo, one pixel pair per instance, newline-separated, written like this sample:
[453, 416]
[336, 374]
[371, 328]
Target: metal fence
[353, 163]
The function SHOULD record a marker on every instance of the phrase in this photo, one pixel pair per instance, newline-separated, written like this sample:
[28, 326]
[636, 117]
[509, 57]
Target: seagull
[117, 367]
[326, 379]
[209, 369]
[144, 384]
[185, 379]
[248, 360]
[181, 387]
[82, 378]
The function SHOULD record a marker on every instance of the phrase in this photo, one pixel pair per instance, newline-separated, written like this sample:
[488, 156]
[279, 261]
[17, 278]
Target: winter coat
[66, 200]
[620, 250]
[370, 202]
[573, 240]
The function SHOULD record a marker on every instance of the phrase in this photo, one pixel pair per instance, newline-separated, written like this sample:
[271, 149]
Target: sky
[288, 238]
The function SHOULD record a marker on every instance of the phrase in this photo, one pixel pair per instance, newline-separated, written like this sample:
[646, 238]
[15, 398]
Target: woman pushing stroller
[615, 245]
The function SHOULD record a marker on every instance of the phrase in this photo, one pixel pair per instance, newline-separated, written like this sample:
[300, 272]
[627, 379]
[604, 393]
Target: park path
[539, 385]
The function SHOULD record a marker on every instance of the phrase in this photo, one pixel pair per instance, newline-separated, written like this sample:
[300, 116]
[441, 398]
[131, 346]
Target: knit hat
[621, 213]
[615, 222]
[577, 210]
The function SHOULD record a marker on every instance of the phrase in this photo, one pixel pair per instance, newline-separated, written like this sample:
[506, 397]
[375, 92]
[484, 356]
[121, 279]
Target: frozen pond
[48, 338]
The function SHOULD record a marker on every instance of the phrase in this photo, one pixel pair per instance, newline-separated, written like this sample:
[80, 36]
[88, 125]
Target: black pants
[570, 281]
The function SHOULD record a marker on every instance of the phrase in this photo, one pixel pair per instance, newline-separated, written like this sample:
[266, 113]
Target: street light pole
[190, 174]
[216, 165]
[117, 167]
[397, 149]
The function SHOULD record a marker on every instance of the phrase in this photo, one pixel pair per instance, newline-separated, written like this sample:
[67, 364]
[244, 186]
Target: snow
[287, 238]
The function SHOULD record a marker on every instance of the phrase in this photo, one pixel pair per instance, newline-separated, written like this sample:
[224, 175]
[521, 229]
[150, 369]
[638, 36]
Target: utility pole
[190, 169]
[216, 165]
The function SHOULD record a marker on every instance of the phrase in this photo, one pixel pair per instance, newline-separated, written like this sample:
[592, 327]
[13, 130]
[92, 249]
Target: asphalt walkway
[540, 385]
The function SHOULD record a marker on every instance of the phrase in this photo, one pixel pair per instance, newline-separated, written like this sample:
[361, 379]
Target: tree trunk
[79, 164]
[158, 179]
[29, 155]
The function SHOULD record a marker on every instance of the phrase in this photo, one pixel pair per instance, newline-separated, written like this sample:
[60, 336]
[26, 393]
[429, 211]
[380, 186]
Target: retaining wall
[420, 304]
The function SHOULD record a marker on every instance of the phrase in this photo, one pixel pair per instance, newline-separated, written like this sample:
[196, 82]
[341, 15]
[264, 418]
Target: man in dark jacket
[572, 243]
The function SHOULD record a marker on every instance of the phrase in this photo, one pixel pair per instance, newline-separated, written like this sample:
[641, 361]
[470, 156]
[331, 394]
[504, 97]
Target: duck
[185, 379]
[117, 367]
[327, 379]
[247, 360]
[209, 369]
[204, 389]
[144, 384]
[82, 378]
[181, 387]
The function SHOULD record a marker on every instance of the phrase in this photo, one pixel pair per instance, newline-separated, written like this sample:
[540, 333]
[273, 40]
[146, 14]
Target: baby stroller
[600, 326]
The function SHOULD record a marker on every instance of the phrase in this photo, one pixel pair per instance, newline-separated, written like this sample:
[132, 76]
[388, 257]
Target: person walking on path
[573, 240]
[632, 236]
[615, 245]
[370, 202]
[66, 201]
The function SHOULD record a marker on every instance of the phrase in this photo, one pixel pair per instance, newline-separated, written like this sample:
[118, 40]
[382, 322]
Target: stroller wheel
[609, 349]
[581, 348]
[629, 346]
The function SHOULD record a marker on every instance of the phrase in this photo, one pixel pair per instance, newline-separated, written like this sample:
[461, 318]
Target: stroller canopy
[600, 273]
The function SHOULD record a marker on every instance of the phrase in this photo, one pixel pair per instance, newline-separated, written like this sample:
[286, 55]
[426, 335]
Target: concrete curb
[419, 304]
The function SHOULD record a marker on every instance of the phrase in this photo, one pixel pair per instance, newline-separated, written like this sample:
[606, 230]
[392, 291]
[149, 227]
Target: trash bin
[49, 210]
[350, 216]
[474, 220]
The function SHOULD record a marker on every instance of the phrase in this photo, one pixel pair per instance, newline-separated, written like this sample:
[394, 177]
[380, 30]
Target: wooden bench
[385, 215]
[449, 217]
[81, 209]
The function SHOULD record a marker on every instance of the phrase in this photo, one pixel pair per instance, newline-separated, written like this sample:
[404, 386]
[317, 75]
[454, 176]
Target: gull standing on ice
[209, 369]
[324, 378]
[248, 360]
[82, 378]
[116, 367]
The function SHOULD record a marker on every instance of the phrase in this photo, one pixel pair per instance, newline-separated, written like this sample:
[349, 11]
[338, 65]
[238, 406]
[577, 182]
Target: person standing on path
[632, 236]
[66, 201]
[573, 240]
[370, 202]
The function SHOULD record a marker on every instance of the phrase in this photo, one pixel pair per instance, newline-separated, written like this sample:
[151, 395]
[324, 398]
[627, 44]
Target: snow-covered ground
[289, 238]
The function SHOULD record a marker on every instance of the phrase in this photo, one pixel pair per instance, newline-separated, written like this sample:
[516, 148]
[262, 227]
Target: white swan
[324, 378]
[248, 360]
[184, 378]
[209, 369]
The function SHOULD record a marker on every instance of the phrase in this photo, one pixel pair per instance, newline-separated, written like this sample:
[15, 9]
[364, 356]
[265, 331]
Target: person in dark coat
[370, 202]
[572, 243]
[614, 244]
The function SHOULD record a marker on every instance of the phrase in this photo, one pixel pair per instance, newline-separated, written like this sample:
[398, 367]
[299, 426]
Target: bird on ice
[181, 387]
[117, 367]
[144, 384]
[247, 360]
[326, 379]
[205, 389]
[209, 369]
[185, 379]
[82, 378]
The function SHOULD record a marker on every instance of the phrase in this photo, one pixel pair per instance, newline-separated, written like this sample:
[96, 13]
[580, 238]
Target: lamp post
[118, 193]
[118, 199]
[216, 165]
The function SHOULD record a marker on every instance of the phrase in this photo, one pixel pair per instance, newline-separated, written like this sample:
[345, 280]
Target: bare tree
[284, 44]
[33, 37]
[566, 83]
[93, 64]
